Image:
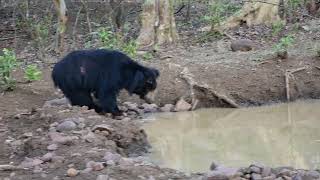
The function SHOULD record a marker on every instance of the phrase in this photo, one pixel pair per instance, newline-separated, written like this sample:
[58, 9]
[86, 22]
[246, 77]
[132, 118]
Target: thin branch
[87, 15]
[74, 31]
[180, 9]
[288, 74]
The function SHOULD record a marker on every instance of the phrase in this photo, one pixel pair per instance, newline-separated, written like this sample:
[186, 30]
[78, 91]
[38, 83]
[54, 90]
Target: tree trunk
[158, 23]
[61, 8]
[254, 13]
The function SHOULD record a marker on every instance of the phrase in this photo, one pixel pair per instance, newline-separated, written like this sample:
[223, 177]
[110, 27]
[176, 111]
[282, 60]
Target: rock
[222, 172]
[271, 177]
[167, 108]
[102, 127]
[255, 169]
[126, 119]
[255, 176]
[314, 174]
[26, 135]
[58, 159]
[29, 162]
[37, 169]
[96, 166]
[86, 170]
[66, 126]
[247, 176]
[52, 147]
[72, 172]
[126, 162]
[149, 108]
[266, 171]
[108, 156]
[242, 45]
[213, 166]
[47, 157]
[285, 172]
[54, 124]
[214, 175]
[58, 138]
[90, 137]
[131, 106]
[81, 125]
[182, 105]
[286, 178]
[56, 102]
[102, 177]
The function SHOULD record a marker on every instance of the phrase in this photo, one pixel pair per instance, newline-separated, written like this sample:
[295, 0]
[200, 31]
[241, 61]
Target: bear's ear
[136, 81]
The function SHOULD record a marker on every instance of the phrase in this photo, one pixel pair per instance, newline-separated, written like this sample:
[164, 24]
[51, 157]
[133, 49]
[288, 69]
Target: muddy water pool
[274, 135]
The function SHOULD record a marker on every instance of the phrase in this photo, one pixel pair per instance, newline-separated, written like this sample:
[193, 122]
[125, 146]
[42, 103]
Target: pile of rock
[260, 172]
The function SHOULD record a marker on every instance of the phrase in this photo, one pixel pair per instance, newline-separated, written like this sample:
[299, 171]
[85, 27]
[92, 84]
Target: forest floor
[42, 136]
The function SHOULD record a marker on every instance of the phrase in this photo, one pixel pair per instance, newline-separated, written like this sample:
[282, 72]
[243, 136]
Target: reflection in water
[277, 135]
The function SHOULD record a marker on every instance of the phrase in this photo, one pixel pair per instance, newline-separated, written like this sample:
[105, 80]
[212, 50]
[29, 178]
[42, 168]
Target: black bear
[102, 73]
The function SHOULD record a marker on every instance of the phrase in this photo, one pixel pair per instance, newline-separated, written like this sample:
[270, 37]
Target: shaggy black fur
[102, 73]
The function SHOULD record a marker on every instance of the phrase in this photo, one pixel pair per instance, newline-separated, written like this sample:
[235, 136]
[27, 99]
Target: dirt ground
[30, 131]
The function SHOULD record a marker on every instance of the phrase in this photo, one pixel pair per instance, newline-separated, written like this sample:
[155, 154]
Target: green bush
[284, 43]
[32, 73]
[110, 40]
[8, 63]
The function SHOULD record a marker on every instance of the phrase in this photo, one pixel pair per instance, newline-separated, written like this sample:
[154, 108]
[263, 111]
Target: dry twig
[288, 74]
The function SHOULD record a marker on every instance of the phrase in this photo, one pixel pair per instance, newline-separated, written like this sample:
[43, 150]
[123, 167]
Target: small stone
[255, 176]
[126, 119]
[56, 102]
[255, 169]
[29, 162]
[167, 108]
[314, 174]
[111, 163]
[213, 166]
[149, 108]
[47, 157]
[58, 159]
[247, 176]
[102, 127]
[37, 169]
[102, 177]
[266, 171]
[66, 126]
[98, 166]
[81, 125]
[90, 137]
[285, 172]
[54, 124]
[182, 105]
[112, 156]
[286, 178]
[72, 172]
[52, 147]
[213, 175]
[271, 177]
[58, 138]
[26, 135]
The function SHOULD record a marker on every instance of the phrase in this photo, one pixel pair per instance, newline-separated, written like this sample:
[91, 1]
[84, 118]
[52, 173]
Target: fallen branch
[8, 38]
[185, 75]
[289, 73]
[8, 167]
